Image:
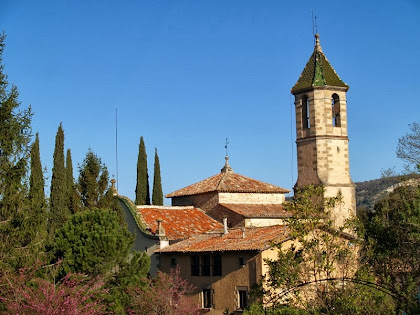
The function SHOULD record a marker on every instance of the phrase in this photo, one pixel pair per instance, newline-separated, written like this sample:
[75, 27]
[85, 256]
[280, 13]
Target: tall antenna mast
[116, 143]
[314, 26]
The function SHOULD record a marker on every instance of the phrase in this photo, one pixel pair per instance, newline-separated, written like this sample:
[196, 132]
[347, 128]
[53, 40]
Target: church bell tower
[321, 133]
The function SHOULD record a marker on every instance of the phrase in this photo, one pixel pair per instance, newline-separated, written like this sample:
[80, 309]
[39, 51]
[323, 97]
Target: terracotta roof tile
[178, 222]
[258, 210]
[228, 182]
[255, 238]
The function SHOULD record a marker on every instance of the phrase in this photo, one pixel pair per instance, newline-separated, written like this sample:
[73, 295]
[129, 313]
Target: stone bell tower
[321, 133]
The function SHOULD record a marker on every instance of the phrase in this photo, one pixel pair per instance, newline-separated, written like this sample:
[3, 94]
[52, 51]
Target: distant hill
[369, 192]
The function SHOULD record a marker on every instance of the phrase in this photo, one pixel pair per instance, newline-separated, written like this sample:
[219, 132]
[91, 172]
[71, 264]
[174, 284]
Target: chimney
[160, 231]
[243, 232]
[225, 226]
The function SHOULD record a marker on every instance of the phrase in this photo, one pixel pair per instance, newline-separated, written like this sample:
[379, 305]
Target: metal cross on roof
[226, 146]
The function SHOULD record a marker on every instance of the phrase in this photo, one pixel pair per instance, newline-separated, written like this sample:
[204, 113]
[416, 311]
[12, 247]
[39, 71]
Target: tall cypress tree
[59, 211]
[142, 187]
[36, 179]
[72, 196]
[157, 197]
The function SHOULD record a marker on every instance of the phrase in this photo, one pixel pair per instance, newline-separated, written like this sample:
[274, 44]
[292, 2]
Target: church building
[224, 264]
[219, 231]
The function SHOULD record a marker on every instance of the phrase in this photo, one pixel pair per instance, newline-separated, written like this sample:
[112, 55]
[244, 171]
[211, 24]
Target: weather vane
[226, 146]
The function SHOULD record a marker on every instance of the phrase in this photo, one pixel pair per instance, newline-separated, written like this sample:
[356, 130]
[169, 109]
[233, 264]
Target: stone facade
[322, 141]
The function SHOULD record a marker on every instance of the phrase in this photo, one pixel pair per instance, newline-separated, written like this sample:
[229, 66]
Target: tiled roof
[255, 238]
[258, 210]
[318, 72]
[178, 222]
[228, 182]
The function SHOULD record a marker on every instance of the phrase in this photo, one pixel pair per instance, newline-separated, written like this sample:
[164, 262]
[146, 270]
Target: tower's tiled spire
[318, 72]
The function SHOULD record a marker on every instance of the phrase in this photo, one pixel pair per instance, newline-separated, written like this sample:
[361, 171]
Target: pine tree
[59, 211]
[36, 179]
[15, 135]
[93, 182]
[72, 195]
[142, 187]
[157, 197]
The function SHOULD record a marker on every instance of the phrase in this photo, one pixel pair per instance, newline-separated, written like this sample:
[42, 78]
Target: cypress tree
[72, 196]
[59, 211]
[142, 187]
[157, 198]
[36, 179]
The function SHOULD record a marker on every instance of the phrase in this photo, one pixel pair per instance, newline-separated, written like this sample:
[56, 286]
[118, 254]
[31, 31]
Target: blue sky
[187, 74]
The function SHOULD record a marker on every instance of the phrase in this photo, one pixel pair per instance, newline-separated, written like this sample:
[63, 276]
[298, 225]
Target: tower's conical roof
[318, 72]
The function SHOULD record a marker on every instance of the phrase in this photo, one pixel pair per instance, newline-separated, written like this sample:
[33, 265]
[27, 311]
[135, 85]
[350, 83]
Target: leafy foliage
[167, 294]
[310, 267]
[408, 148]
[393, 244]
[93, 182]
[142, 186]
[157, 197]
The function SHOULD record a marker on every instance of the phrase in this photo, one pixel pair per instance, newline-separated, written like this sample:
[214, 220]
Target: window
[207, 298]
[335, 102]
[195, 265]
[217, 265]
[242, 298]
[305, 112]
[205, 268]
[241, 261]
[206, 265]
[173, 262]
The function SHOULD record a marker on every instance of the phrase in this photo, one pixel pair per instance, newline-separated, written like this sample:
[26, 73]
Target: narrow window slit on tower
[305, 112]
[335, 102]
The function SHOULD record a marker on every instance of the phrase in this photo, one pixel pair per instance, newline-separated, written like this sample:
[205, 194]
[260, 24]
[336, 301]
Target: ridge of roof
[318, 72]
[220, 183]
[238, 239]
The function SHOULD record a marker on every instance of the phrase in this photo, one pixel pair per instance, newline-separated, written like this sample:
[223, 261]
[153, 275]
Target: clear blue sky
[188, 74]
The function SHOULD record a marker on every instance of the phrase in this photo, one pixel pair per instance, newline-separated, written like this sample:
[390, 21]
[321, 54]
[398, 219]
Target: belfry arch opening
[305, 112]
[335, 102]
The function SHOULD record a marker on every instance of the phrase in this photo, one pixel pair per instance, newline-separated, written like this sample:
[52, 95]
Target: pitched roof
[178, 222]
[228, 181]
[255, 238]
[258, 210]
[318, 72]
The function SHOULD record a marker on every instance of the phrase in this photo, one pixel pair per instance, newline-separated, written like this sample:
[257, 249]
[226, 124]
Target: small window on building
[336, 122]
[207, 298]
[205, 268]
[217, 265]
[305, 113]
[195, 265]
[173, 262]
[241, 261]
[242, 294]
